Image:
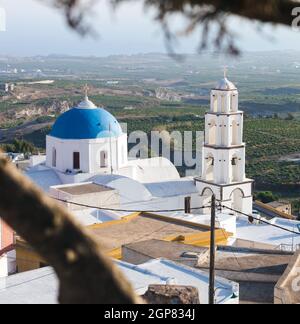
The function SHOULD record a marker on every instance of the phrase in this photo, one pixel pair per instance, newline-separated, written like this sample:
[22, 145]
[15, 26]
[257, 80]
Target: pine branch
[199, 13]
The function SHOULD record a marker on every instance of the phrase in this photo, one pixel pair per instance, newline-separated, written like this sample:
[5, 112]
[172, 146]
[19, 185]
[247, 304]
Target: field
[127, 86]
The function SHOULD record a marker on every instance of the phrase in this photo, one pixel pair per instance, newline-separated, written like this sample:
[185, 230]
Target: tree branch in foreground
[198, 13]
[86, 275]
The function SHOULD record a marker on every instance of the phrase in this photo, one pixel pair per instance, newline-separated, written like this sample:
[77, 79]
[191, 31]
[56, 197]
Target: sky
[33, 28]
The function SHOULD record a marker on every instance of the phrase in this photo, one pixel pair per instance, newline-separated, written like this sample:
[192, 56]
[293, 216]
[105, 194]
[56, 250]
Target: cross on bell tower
[224, 151]
[225, 71]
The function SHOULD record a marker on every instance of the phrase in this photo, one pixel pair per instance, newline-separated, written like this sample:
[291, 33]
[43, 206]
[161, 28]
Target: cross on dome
[86, 90]
[86, 103]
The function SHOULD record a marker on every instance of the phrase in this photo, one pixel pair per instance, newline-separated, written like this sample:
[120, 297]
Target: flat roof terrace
[83, 189]
[140, 228]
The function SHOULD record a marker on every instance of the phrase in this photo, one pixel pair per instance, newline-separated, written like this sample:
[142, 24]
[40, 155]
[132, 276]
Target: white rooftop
[41, 286]
[44, 179]
[267, 234]
[183, 186]
[225, 85]
[32, 287]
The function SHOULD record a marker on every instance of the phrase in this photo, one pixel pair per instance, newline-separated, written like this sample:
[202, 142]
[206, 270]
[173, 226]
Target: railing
[288, 247]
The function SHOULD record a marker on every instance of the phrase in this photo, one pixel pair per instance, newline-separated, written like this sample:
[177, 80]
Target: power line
[127, 210]
[173, 210]
[261, 220]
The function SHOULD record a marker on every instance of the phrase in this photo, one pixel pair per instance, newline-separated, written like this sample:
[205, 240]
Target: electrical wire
[127, 210]
[261, 220]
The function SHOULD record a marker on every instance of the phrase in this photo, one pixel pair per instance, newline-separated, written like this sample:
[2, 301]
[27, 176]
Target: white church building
[87, 141]
[88, 145]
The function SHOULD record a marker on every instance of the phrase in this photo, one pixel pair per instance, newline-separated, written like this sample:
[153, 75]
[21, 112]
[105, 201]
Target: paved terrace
[141, 228]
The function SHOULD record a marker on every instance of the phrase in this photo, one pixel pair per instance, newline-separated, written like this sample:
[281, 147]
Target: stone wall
[287, 290]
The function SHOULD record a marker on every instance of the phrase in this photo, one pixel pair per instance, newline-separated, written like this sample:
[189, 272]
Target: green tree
[20, 146]
[266, 197]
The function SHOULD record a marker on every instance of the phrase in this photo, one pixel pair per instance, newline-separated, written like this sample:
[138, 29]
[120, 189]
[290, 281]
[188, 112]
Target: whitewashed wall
[90, 151]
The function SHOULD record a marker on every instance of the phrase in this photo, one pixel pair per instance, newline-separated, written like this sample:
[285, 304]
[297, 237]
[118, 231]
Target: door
[103, 159]
[76, 160]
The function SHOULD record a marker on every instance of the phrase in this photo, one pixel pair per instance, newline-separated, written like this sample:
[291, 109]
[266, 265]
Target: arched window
[223, 130]
[235, 133]
[223, 100]
[234, 102]
[214, 103]
[205, 199]
[54, 157]
[212, 133]
[210, 168]
[103, 159]
[235, 164]
[237, 197]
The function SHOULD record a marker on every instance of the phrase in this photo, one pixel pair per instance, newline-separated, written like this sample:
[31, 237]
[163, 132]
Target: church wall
[118, 146]
[65, 152]
[170, 203]
[90, 154]
[99, 199]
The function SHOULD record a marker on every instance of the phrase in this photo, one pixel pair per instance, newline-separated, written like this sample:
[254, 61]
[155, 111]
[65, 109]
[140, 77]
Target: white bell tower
[224, 159]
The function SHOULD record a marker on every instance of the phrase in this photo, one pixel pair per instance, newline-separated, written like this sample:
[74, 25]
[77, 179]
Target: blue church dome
[86, 121]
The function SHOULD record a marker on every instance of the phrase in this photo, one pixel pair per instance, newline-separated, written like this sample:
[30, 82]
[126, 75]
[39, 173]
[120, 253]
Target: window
[235, 169]
[223, 101]
[235, 133]
[214, 106]
[103, 159]
[54, 157]
[76, 160]
[212, 133]
[187, 205]
[210, 168]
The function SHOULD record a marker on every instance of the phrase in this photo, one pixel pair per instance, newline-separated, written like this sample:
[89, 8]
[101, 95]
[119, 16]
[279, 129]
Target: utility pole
[212, 252]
